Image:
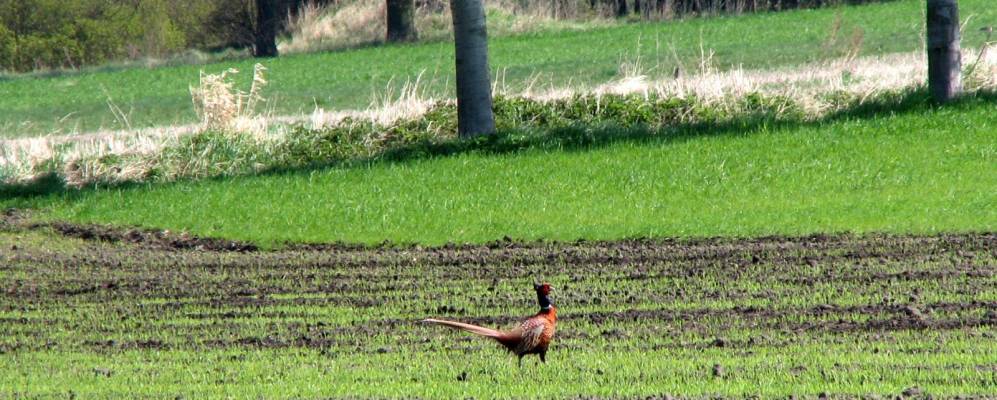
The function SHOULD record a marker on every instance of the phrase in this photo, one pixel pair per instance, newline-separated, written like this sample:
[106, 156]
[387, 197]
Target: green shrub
[622, 111]
[38, 34]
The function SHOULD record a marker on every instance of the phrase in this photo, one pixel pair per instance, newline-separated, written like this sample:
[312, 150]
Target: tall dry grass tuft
[223, 107]
[981, 73]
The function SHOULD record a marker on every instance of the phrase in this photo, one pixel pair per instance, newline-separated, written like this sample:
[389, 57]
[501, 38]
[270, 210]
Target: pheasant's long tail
[477, 330]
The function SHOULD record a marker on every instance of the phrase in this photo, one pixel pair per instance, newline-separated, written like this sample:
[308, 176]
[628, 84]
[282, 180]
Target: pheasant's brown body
[532, 336]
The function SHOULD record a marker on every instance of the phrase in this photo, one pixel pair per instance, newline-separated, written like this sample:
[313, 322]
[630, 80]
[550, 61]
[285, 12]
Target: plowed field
[95, 312]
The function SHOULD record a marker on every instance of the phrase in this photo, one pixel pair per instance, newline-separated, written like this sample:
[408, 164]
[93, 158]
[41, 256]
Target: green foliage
[46, 34]
[229, 24]
[160, 36]
[623, 111]
[306, 146]
[205, 154]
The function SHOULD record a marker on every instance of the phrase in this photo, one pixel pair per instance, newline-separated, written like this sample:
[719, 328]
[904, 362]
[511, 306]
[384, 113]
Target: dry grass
[113, 156]
[220, 106]
[84, 158]
[347, 24]
[316, 27]
[26, 159]
[809, 86]
[982, 71]
[408, 103]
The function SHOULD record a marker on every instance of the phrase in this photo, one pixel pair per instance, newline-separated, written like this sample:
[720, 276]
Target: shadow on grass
[564, 138]
[580, 138]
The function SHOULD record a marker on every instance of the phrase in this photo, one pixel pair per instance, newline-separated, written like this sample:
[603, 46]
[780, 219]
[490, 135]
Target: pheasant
[532, 336]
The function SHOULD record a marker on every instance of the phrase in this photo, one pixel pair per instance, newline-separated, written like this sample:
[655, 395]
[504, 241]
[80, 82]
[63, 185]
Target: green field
[347, 79]
[920, 170]
[845, 316]
[743, 248]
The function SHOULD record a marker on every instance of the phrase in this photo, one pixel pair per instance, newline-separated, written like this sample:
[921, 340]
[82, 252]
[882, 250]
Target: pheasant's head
[542, 288]
[543, 291]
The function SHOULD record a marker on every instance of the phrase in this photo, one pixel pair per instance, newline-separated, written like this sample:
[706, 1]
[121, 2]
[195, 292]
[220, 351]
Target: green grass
[30, 106]
[923, 169]
[309, 374]
[797, 317]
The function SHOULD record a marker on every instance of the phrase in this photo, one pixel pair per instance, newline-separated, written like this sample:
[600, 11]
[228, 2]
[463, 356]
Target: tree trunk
[621, 8]
[267, 24]
[401, 21]
[944, 53]
[662, 7]
[637, 7]
[474, 85]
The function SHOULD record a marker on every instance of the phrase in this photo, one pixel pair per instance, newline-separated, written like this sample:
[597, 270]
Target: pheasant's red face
[543, 289]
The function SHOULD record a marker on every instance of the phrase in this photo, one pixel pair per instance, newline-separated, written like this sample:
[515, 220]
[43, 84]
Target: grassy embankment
[916, 170]
[346, 79]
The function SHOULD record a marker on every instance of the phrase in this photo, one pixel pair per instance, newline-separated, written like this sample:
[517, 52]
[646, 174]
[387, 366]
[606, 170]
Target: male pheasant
[532, 336]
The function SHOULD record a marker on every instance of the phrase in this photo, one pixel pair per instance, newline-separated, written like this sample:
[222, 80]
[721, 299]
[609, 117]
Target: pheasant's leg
[520, 361]
[543, 357]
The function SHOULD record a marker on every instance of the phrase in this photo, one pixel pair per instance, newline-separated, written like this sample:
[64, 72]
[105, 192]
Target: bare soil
[179, 291]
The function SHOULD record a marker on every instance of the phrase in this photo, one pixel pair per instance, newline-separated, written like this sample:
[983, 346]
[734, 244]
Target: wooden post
[944, 53]
[474, 85]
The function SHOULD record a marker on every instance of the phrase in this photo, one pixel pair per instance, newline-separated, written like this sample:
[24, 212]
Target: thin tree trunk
[267, 24]
[663, 7]
[621, 8]
[474, 86]
[401, 21]
[637, 7]
[944, 54]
